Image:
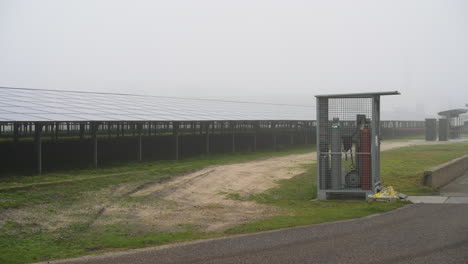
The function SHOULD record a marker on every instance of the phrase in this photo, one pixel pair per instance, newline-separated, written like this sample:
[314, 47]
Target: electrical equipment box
[348, 145]
[431, 129]
[443, 129]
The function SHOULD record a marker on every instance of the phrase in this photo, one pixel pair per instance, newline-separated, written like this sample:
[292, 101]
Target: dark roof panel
[358, 95]
[453, 112]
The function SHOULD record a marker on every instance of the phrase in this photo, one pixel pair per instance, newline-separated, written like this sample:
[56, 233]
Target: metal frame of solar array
[54, 130]
[48, 113]
[96, 129]
[62, 114]
[348, 145]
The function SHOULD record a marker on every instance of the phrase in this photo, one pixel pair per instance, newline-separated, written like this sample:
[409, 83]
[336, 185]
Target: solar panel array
[34, 105]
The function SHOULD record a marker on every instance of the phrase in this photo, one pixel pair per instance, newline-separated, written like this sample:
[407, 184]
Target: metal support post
[175, 129]
[233, 138]
[38, 143]
[207, 138]
[323, 158]
[94, 128]
[140, 148]
[52, 132]
[109, 129]
[306, 141]
[82, 131]
[375, 142]
[256, 128]
[57, 128]
[255, 142]
[15, 132]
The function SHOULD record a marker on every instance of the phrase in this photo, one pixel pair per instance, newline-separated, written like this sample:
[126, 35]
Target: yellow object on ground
[385, 194]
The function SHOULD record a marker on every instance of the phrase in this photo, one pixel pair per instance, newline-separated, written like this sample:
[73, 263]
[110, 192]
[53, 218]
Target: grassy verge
[22, 242]
[402, 168]
[24, 247]
[295, 194]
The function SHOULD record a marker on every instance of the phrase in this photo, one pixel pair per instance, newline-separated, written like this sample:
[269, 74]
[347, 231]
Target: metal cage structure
[348, 145]
[452, 123]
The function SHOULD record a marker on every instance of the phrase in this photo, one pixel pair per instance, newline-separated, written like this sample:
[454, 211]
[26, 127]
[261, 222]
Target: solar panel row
[33, 105]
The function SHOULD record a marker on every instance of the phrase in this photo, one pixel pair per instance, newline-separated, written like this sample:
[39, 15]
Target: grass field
[403, 168]
[407, 138]
[29, 241]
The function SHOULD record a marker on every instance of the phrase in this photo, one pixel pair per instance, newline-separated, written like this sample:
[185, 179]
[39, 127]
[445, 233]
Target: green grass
[29, 242]
[20, 243]
[295, 194]
[403, 168]
[406, 138]
[22, 246]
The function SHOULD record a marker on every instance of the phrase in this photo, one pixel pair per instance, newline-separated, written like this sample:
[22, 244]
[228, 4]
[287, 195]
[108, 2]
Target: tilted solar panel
[31, 105]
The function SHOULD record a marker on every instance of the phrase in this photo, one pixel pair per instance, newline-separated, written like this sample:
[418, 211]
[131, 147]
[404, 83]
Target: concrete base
[457, 200]
[458, 187]
[323, 194]
[439, 176]
[438, 200]
[455, 192]
[451, 179]
[427, 199]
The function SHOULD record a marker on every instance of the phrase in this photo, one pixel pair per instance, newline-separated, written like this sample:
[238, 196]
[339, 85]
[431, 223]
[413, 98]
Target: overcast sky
[249, 50]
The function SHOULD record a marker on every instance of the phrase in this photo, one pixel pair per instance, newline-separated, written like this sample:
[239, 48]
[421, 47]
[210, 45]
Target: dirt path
[207, 186]
[201, 196]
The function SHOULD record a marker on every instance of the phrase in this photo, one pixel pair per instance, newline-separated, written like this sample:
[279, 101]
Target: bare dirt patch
[201, 196]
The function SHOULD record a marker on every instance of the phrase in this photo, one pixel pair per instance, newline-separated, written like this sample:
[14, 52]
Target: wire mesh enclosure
[348, 145]
[451, 124]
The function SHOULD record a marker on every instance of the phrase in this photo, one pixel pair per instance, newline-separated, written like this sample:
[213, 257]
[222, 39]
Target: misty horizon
[255, 51]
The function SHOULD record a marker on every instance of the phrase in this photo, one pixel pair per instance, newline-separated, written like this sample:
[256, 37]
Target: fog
[255, 50]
